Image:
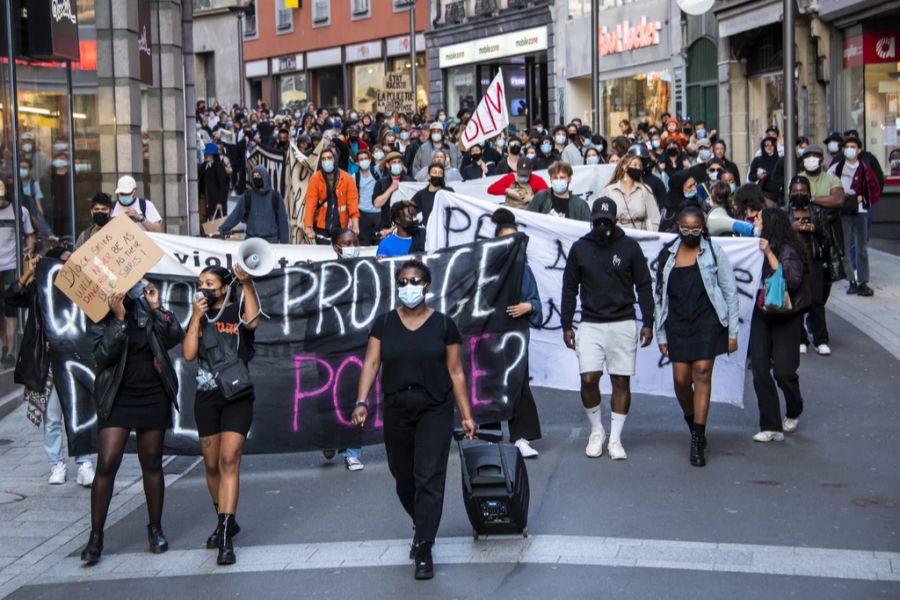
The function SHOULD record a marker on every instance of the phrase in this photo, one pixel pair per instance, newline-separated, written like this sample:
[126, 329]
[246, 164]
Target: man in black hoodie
[607, 266]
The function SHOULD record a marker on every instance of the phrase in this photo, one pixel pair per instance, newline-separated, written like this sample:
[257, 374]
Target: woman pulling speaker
[220, 334]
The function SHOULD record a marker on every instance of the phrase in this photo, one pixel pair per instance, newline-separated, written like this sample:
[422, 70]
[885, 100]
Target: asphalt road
[835, 484]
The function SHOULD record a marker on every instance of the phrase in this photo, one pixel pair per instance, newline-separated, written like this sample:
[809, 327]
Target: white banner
[588, 181]
[491, 116]
[457, 219]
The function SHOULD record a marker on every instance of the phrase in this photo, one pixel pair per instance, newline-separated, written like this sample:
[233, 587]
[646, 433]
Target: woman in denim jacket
[696, 317]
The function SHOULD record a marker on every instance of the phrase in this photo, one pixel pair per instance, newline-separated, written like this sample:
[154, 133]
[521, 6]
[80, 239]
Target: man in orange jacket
[332, 200]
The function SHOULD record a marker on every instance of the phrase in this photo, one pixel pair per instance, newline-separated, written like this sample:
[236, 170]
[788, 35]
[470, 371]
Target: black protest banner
[309, 351]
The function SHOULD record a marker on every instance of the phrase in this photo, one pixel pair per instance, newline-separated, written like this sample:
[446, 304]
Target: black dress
[141, 401]
[692, 325]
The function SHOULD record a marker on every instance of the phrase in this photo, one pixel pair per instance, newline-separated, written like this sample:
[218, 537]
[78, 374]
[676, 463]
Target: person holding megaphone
[220, 334]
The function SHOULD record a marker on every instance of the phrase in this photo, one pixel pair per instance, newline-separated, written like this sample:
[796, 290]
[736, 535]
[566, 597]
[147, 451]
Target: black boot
[212, 542]
[93, 550]
[698, 447]
[424, 565]
[689, 419]
[226, 547]
[158, 542]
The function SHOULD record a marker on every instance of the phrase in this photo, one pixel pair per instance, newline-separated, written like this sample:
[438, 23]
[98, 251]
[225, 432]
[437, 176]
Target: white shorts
[607, 347]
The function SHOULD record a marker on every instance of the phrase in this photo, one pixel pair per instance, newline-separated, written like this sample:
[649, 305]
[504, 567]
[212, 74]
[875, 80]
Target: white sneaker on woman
[85, 476]
[57, 474]
[823, 349]
[769, 436]
[594, 447]
[353, 463]
[525, 448]
[790, 425]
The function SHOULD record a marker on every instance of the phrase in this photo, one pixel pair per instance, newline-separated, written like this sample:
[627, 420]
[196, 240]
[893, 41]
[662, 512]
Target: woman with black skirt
[697, 318]
[419, 349]
[220, 333]
[135, 388]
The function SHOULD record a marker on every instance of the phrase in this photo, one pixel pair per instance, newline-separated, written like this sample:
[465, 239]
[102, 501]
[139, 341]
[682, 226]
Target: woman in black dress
[221, 332]
[419, 349]
[135, 388]
[697, 318]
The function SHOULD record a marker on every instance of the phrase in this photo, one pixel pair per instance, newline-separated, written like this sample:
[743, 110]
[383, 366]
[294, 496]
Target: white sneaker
[769, 436]
[804, 348]
[790, 425]
[353, 463]
[823, 349]
[85, 474]
[57, 474]
[525, 448]
[616, 451]
[594, 447]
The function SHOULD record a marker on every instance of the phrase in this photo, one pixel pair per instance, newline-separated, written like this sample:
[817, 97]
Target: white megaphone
[718, 222]
[255, 256]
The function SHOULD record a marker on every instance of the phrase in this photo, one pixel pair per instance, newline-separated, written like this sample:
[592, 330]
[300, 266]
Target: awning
[749, 16]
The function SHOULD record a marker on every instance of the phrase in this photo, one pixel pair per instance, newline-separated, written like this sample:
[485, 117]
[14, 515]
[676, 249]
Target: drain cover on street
[9, 497]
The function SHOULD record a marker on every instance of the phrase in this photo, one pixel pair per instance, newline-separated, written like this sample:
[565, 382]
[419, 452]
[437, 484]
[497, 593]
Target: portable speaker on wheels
[494, 484]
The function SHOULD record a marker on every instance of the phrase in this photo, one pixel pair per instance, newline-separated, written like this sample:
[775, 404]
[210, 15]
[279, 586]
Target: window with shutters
[321, 13]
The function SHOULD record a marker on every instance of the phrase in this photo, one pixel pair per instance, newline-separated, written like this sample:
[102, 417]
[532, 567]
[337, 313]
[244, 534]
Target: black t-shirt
[140, 382]
[560, 205]
[417, 358]
[237, 338]
[424, 201]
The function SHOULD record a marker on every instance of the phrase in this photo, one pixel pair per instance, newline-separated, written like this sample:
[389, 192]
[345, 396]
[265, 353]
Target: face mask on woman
[515, 149]
[560, 186]
[733, 187]
[691, 240]
[560, 139]
[704, 155]
[546, 147]
[378, 155]
[350, 252]
[634, 173]
[404, 135]
[690, 194]
[655, 144]
[500, 142]
[412, 295]
[833, 147]
[593, 159]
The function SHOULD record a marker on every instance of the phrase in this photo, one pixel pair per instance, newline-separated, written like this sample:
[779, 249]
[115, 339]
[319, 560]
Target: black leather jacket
[111, 353]
[33, 362]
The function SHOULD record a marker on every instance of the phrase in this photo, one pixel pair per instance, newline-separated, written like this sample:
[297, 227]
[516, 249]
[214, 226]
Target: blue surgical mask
[24, 173]
[733, 187]
[690, 194]
[126, 199]
[546, 147]
[378, 155]
[404, 135]
[592, 160]
[560, 186]
[412, 295]
[396, 169]
[364, 164]
[328, 166]
[701, 133]
[500, 142]
[655, 144]
[704, 155]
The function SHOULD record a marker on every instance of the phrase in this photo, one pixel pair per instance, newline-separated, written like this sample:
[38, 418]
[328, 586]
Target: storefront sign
[53, 29]
[500, 46]
[323, 58]
[871, 48]
[627, 36]
[396, 95]
[287, 64]
[362, 52]
[256, 68]
[400, 45]
[144, 42]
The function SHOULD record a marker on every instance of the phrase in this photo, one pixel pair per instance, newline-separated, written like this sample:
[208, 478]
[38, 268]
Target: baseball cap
[584, 130]
[525, 167]
[814, 149]
[126, 185]
[436, 125]
[604, 208]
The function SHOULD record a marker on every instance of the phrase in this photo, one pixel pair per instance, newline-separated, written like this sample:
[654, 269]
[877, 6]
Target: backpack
[248, 202]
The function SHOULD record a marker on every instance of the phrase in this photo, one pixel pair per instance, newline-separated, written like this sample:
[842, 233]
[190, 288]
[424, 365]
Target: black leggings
[109, 457]
[774, 351]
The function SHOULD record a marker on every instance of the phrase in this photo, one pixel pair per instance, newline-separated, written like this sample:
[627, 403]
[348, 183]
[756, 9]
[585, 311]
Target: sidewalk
[40, 524]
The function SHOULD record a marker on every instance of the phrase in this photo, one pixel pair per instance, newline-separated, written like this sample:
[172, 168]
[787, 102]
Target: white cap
[436, 125]
[126, 185]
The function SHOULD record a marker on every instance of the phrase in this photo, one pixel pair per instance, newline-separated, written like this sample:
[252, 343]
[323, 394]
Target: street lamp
[240, 11]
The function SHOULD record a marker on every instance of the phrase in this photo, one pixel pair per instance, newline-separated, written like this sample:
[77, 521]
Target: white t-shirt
[8, 235]
[151, 215]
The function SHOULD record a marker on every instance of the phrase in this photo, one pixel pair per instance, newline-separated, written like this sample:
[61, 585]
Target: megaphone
[718, 222]
[255, 256]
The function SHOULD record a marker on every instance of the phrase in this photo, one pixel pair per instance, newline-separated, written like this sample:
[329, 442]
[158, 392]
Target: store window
[366, 81]
[766, 104]
[645, 96]
[882, 111]
[402, 65]
[461, 89]
[291, 89]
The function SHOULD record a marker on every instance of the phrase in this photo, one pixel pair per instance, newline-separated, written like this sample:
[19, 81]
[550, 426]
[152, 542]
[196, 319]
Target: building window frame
[250, 15]
[280, 12]
[320, 22]
[357, 15]
[401, 6]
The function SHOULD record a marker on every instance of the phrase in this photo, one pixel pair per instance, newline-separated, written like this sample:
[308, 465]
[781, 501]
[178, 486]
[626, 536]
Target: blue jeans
[856, 228]
[353, 452]
[53, 431]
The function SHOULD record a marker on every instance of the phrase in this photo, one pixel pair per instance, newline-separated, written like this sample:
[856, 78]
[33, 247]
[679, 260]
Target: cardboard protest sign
[397, 94]
[113, 260]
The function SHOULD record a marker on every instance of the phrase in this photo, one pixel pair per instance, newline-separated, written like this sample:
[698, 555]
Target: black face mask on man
[258, 183]
[100, 218]
[602, 230]
[799, 201]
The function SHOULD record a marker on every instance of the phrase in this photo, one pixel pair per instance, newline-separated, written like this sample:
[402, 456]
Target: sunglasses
[715, 171]
[686, 231]
[404, 281]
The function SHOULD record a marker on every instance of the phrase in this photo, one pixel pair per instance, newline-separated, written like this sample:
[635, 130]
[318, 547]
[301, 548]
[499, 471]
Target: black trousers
[525, 422]
[417, 439]
[368, 228]
[774, 350]
[820, 286]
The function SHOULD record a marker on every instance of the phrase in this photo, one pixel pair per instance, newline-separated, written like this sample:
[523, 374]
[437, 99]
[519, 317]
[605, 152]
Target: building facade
[217, 56]
[332, 53]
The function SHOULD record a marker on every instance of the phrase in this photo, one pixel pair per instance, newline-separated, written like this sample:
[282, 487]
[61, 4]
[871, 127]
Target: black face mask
[634, 173]
[672, 151]
[476, 157]
[258, 183]
[100, 218]
[572, 136]
[436, 181]
[602, 231]
[800, 201]
[209, 294]
[515, 149]
[691, 241]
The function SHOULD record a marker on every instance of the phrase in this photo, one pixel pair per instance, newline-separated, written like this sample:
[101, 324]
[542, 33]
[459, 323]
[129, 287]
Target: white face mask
[560, 139]
[850, 153]
[811, 163]
[833, 147]
[364, 164]
[592, 160]
[733, 187]
[350, 252]
[378, 155]
[436, 137]
[560, 186]
[412, 295]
